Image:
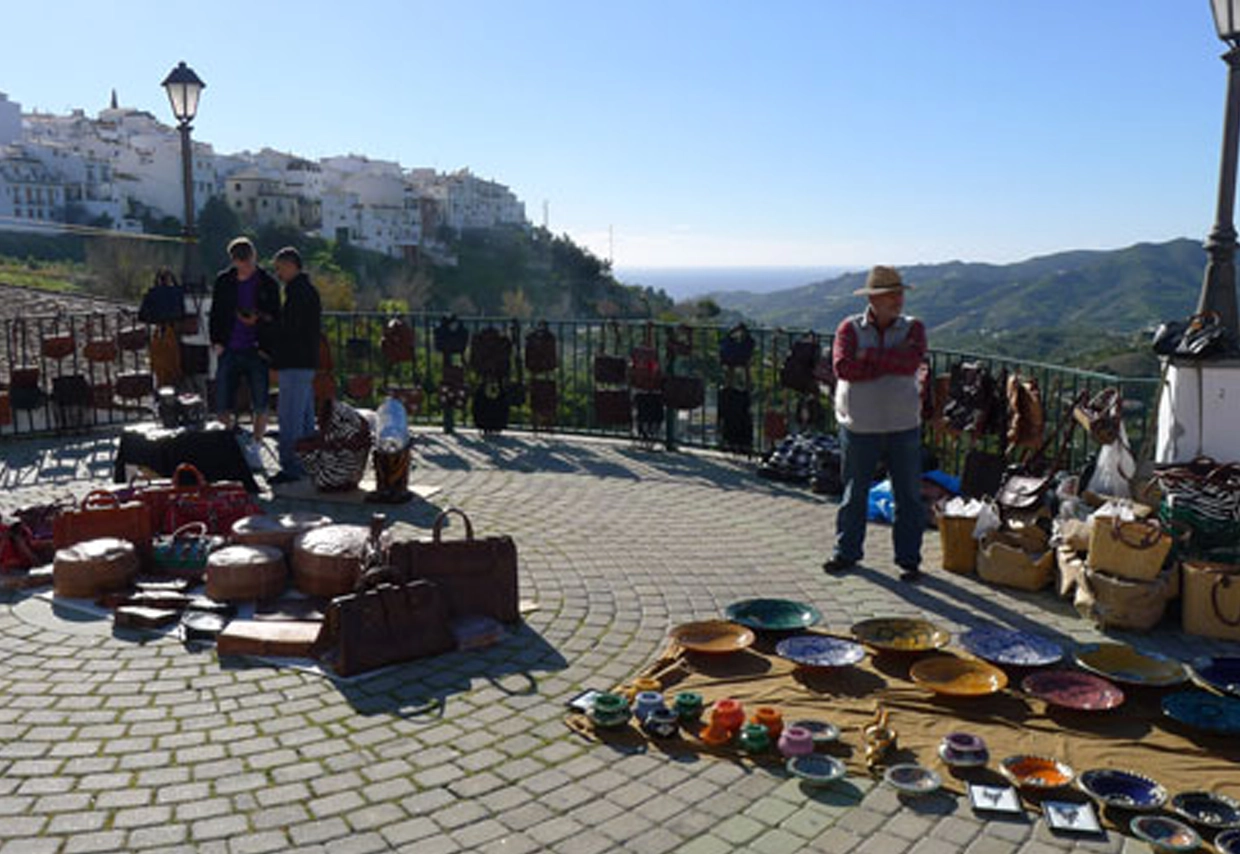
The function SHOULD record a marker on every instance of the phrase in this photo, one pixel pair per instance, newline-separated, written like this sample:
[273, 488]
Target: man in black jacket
[245, 311]
[296, 359]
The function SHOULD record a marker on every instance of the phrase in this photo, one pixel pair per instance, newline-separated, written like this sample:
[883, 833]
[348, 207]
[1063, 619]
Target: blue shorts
[231, 367]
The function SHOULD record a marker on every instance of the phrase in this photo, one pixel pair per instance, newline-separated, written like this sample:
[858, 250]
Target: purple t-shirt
[244, 336]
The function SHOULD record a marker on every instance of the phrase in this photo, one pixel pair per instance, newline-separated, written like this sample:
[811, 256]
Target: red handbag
[99, 347]
[217, 505]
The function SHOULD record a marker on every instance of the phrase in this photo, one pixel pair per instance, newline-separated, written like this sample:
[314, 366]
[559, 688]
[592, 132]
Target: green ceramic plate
[773, 615]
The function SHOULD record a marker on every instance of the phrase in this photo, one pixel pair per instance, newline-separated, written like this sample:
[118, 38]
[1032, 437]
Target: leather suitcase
[268, 637]
[385, 625]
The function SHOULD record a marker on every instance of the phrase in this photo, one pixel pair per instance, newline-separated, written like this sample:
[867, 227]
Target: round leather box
[327, 561]
[276, 530]
[92, 567]
[243, 573]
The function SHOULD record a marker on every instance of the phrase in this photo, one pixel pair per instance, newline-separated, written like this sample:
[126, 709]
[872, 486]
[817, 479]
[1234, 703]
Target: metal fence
[355, 340]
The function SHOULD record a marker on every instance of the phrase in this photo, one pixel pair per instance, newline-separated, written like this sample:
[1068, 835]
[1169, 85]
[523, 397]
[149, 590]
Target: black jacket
[224, 309]
[297, 344]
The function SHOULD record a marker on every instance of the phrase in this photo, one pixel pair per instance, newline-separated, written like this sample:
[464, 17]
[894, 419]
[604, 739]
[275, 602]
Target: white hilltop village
[113, 169]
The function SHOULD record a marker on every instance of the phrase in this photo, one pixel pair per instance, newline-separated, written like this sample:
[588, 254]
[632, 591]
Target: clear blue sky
[825, 132]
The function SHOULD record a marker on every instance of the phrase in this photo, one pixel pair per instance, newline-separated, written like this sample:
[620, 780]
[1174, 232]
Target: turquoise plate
[1204, 711]
[773, 615]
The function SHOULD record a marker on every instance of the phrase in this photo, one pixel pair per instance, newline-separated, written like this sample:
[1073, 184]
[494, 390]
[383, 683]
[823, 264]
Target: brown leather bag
[133, 335]
[1026, 419]
[544, 401]
[166, 355]
[6, 409]
[134, 385]
[360, 386]
[397, 344]
[57, 344]
[386, 625]
[99, 346]
[612, 407]
[101, 514]
[684, 392]
[476, 576]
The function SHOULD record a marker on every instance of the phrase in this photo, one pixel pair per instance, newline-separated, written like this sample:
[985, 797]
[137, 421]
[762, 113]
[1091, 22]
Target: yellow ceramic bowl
[1036, 772]
[958, 677]
[901, 634]
[1122, 663]
[712, 636]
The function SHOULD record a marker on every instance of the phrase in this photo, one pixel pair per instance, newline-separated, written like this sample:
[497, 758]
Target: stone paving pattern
[107, 744]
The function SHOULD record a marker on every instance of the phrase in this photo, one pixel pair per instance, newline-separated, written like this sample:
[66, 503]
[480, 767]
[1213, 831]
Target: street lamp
[1218, 288]
[183, 87]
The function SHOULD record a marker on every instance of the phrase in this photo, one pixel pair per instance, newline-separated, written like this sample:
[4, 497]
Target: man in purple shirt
[245, 309]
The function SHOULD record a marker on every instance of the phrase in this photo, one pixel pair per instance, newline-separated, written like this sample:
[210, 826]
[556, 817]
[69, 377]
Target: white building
[10, 120]
[466, 201]
[31, 195]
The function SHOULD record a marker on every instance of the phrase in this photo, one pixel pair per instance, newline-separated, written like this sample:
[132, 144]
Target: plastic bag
[987, 520]
[393, 429]
[882, 505]
[1114, 468]
[963, 508]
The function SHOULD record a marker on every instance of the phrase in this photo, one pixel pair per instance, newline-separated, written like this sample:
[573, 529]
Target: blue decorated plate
[1124, 789]
[1220, 673]
[1165, 834]
[773, 615]
[1011, 647]
[816, 769]
[1228, 842]
[1207, 809]
[1202, 710]
[820, 651]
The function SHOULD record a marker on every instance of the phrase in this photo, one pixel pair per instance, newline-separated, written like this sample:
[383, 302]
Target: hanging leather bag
[6, 409]
[132, 335]
[612, 407]
[490, 353]
[540, 349]
[490, 407]
[1026, 419]
[1100, 415]
[644, 370]
[684, 392]
[609, 369]
[58, 343]
[477, 575]
[797, 372]
[544, 400]
[736, 347]
[134, 385]
[71, 390]
[99, 347]
[397, 344]
[450, 335]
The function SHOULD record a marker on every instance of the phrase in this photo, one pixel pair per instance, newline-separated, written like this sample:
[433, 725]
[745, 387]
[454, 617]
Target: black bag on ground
[490, 407]
[650, 413]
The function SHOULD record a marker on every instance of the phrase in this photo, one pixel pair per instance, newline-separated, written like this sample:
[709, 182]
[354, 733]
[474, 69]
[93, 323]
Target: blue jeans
[232, 365]
[859, 457]
[295, 410]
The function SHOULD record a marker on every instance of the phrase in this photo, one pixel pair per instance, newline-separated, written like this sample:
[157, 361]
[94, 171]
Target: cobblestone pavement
[111, 745]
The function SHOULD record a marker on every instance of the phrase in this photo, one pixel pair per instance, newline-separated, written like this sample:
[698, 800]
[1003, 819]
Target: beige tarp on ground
[1135, 736]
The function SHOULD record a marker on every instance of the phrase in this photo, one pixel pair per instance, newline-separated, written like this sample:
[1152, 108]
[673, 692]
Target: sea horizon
[688, 282]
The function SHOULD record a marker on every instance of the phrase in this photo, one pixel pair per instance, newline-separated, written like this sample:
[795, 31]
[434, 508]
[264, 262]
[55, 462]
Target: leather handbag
[476, 575]
[71, 390]
[774, 426]
[612, 407]
[6, 409]
[682, 392]
[736, 347]
[490, 407]
[490, 353]
[186, 548]
[360, 386]
[101, 514]
[609, 369]
[24, 376]
[644, 370]
[57, 344]
[133, 335]
[26, 398]
[1100, 415]
[540, 349]
[385, 625]
[450, 335]
[1026, 420]
[134, 385]
[544, 401]
[195, 359]
[452, 393]
[101, 394]
[397, 344]
[798, 370]
[1022, 492]
[217, 505]
[99, 347]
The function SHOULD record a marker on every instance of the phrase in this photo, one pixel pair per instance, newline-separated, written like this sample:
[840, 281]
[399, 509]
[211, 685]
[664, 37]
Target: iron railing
[355, 340]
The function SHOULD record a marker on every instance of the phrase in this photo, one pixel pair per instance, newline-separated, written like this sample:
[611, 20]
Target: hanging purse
[609, 369]
[132, 336]
[683, 392]
[99, 347]
[450, 336]
[612, 407]
[1100, 415]
[57, 344]
[452, 392]
[540, 349]
[644, 370]
[397, 344]
[134, 385]
[798, 371]
[544, 400]
[71, 390]
[736, 347]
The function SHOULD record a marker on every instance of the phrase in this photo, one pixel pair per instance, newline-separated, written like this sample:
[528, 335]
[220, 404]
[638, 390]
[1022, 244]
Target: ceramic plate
[713, 636]
[1036, 772]
[901, 634]
[1121, 663]
[1220, 673]
[1207, 809]
[773, 615]
[1165, 834]
[963, 760]
[913, 779]
[1228, 842]
[820, 651]
[1124, 789]
[958, 677]
[1011, 647]
[1202, 710]
[822, 731]
[1071, 689]
[815, 768]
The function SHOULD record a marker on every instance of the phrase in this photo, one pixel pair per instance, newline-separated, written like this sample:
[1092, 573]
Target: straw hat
[882, 280]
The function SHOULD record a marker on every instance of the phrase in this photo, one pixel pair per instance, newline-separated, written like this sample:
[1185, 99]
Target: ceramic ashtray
[912, 779]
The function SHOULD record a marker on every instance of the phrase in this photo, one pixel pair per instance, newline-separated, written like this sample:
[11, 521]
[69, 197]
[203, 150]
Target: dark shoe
[282, 477]
[838, 564]
[910, 573]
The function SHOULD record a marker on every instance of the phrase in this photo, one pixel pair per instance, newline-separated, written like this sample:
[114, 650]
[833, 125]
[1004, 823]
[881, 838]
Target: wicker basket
[1002, 560]
[1122, 603]
[278, 531]
[1211, 605]
[327, 561]
[89, 568]
[1134, 550]
[245, 573]
[959, 544]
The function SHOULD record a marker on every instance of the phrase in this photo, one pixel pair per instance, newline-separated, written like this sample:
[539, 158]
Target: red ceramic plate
[1072, 689]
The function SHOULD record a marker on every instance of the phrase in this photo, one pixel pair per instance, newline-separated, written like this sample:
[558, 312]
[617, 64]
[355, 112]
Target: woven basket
[87, 569]
[1123, 603]
[1211, 605]
[245, 573]
[1134, 550]
[959, 544]
[327, 561]
[1001, 560]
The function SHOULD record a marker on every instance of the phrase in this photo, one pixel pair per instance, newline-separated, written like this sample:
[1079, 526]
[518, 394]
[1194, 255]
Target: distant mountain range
[1103, 293]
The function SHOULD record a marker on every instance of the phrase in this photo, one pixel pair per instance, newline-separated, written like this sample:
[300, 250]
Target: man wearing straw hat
[876, 356]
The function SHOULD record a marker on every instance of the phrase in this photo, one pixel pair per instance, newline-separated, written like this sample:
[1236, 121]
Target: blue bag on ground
[882, 506]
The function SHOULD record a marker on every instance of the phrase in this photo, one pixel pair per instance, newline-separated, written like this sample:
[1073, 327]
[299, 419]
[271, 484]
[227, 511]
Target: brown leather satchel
[1101, 415]
[101, 514]
[476, 576]
[57, 344]
[386, 625]
[612, 407]
[1026, 419]
[99, 347]
[134, 385]
[360, 386]
[397, 343]
[133, 336]
[544, 401]
[682, 392]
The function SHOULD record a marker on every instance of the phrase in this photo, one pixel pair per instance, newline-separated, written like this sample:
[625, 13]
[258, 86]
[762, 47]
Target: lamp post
[184, 87]
[1218, 288]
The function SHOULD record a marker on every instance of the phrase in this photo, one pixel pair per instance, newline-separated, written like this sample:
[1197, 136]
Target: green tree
[217, 224]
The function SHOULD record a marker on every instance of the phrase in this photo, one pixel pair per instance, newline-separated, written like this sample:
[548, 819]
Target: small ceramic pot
[640, 684]
[963, 742]
[661, 723]
[688, 705]
[645, 703]
[754, 738]
[610, 705]
[796, 741]
[715, 734]
[728, 714]
[770, 718]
